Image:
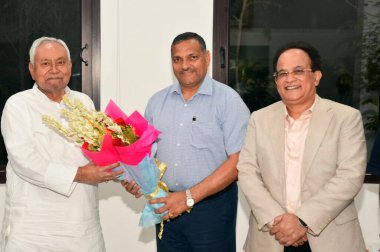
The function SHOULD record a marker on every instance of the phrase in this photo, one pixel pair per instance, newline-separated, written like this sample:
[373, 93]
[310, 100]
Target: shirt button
[178, 144]
[181, 124]
[175, 164]
[185, 104]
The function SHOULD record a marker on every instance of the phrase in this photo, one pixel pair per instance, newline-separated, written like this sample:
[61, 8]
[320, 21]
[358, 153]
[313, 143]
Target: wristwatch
[189, 199]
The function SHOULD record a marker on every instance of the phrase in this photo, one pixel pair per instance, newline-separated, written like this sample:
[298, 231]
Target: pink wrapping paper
[131, 154]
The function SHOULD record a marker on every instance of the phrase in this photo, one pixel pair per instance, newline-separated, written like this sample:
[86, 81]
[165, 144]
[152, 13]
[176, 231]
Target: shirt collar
[39, 93]
[309, 111]
[205, 88]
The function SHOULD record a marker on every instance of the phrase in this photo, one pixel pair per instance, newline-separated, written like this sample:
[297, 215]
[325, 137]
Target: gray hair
[38, 42]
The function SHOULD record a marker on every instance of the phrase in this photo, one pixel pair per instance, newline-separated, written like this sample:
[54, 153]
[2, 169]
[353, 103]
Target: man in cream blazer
[302, 164]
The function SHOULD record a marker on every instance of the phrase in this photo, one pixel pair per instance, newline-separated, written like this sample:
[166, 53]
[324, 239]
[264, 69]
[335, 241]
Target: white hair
[38, 42]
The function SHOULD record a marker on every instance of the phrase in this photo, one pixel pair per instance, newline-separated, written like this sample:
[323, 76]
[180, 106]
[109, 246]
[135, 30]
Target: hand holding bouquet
[111, 136]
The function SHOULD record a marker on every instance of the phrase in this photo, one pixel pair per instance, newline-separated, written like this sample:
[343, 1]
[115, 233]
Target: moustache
[186, 71]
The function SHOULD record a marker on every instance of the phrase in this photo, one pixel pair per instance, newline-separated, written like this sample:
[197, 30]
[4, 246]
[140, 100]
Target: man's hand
[93, 174]
[301, 241]
[288, 231]
[132, 187]
[174, 203]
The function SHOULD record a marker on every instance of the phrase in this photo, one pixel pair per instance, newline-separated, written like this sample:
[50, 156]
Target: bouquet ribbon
[148, 174]
[161, 185]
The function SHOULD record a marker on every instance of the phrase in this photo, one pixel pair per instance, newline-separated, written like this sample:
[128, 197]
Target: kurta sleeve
[25, 158]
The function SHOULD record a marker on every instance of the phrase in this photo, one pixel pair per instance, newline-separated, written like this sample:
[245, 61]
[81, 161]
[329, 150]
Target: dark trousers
[210, 226]
[304, 248]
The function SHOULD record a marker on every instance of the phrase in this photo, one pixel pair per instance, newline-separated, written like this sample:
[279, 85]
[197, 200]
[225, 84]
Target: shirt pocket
[204, 135]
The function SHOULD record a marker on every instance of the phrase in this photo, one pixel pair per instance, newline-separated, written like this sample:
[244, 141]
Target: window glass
[21, 22]
[346, 33]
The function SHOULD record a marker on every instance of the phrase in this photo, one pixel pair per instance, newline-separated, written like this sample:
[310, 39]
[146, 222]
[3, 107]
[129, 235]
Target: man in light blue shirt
[203, 124]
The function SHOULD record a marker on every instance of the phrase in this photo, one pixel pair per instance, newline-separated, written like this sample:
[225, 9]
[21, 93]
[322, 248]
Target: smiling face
[190, 63]
[51, 70]
[297, 90]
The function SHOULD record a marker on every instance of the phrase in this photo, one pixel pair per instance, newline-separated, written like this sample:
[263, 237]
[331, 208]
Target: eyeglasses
[297, 73]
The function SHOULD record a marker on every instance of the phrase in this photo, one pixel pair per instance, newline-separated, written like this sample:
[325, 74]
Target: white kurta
[44, 209]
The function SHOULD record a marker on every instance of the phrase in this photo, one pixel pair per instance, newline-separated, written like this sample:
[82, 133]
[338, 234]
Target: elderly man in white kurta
[51, 191]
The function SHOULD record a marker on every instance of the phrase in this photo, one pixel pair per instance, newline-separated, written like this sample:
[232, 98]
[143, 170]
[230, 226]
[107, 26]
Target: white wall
[136, 37]
[135, 42]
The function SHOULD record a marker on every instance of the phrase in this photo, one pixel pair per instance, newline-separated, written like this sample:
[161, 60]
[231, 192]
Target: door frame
[221, 35]
[91, 38]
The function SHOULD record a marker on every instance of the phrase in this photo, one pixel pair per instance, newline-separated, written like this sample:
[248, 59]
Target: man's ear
[208, 57]
[31, 70]
[318, 77]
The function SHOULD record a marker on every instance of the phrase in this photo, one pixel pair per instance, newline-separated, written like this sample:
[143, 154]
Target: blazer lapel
[318, 126]
[277, 137]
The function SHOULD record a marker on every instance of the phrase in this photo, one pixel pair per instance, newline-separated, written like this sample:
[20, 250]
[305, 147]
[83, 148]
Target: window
[347, 34]
[21, 22]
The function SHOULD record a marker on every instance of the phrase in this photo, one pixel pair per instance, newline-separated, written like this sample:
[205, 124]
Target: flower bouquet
[111, 136]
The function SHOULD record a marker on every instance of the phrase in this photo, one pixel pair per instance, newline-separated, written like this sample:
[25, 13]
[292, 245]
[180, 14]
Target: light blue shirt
[196, 135]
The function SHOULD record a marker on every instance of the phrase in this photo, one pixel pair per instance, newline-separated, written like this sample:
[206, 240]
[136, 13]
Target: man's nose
[54, 68]
[290, 77]
[185, 65]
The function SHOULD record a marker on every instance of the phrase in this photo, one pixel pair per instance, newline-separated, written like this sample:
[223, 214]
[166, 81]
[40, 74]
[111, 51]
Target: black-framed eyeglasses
[297, 73]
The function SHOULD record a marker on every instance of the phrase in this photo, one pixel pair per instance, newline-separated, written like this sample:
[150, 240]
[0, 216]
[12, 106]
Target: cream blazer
[332, 174]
